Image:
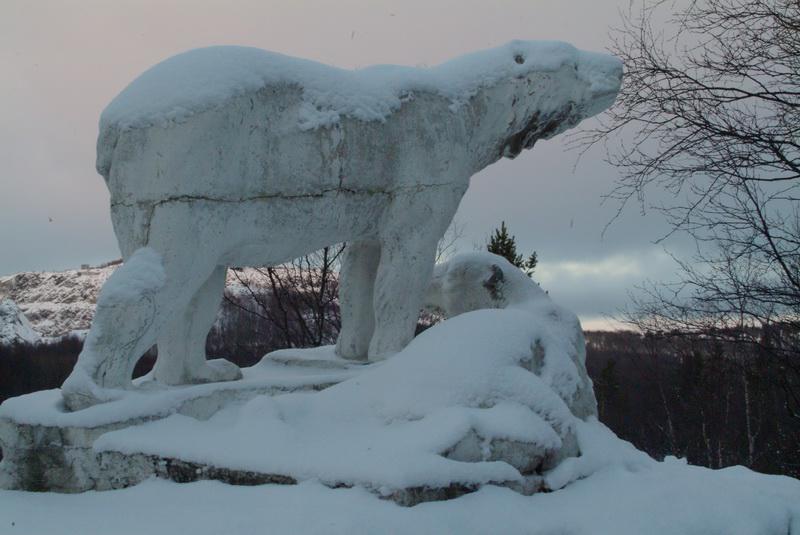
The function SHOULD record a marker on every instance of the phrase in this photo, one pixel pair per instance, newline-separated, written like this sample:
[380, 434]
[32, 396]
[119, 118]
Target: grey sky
[62, 62]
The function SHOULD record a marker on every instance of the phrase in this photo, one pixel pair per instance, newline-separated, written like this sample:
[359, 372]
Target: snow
[648, 497]
[320, 357]
[14, 326]
[141, 275]
[45, 408]
[600, 450]
[477, 280]
[388, 427]
[56, 302]
[199, 79]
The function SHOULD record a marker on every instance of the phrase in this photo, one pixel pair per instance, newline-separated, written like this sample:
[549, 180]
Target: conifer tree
[505, 245]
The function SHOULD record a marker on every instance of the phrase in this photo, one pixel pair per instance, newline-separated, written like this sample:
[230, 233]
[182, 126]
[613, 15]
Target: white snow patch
[200, 79]
[387, 427]
[46, 407]
[668, 498]
[480, 279]
[600, 449]
[141, 275]
[14, 326]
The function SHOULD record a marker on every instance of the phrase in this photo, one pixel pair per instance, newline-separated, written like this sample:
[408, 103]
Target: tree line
[702, 398]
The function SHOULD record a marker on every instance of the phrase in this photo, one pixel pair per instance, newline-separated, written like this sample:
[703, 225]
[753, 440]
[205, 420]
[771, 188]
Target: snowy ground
[661, 498]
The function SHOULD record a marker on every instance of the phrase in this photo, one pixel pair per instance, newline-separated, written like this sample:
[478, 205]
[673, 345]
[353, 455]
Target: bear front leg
[356, 285]
[403, 274]
[410, 230]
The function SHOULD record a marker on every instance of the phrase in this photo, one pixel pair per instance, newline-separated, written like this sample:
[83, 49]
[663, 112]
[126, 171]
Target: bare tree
[298, 299]
[296, 304]
[448, 244]
[710, 112]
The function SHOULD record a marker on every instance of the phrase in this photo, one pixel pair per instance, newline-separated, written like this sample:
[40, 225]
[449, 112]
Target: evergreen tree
[505, 245]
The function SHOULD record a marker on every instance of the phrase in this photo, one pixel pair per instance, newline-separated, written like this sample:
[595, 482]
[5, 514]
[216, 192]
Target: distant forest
[669, 394]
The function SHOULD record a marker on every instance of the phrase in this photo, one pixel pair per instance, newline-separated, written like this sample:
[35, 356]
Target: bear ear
[495, 282]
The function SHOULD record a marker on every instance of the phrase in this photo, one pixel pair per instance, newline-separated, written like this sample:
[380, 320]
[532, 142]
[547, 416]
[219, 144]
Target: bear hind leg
[132, 310]
[182, 343]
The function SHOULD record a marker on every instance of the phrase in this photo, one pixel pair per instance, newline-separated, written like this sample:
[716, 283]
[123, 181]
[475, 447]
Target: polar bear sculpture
[478, 280]
[237, 156]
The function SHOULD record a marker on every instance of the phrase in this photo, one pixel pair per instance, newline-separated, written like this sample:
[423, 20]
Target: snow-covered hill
[14, 326]
[59, 302]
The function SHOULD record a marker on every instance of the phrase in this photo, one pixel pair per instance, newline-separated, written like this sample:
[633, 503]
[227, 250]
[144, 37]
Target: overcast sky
[62, 62]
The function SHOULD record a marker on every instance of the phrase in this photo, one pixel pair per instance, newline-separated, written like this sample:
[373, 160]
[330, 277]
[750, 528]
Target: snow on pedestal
[458, 408]
[237, 156]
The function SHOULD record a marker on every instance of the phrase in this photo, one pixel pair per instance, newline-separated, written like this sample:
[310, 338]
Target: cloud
[614, 267]
[598, 289]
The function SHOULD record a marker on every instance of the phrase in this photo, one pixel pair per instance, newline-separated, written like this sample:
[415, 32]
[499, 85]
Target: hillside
[14, 326]
[57, 303]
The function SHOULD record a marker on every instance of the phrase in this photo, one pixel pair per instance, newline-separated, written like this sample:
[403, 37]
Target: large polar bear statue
[236, 156]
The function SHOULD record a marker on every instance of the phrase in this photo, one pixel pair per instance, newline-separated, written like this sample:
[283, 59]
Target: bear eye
[519, 58]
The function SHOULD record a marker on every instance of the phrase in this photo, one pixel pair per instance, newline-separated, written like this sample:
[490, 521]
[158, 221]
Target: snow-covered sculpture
[237, 156]
[479, 280]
